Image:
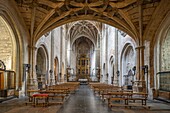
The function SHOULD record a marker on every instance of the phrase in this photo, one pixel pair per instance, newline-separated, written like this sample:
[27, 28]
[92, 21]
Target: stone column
[32, 78]
[141, 41]
[106, 56]
[140, 63]
[142, 77]
[137, 63]
[100, 56]
[52, 80]
[140, 83]
[61, 48]
[97, 59]
[140, 80]
[69, 51]
[116, 70]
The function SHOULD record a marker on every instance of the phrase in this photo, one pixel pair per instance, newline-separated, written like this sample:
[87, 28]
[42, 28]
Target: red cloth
[40, 95]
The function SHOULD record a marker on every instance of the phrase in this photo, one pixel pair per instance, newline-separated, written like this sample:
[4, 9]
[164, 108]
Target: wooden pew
[55, 94]
[139, 96]
[118, 97]
[71, 87]
[127, 97]
[37, 97]
[105, 93]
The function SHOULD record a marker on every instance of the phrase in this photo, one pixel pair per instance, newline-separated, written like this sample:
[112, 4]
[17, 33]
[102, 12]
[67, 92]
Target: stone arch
[127, 63]
[11, 47]
[62, 73]
[56, 69]
[82, 36]
[8, 45]
[165, 51]
[43, 45]
[42, 65]
[157, 48]
[130, 33]
[104, 72]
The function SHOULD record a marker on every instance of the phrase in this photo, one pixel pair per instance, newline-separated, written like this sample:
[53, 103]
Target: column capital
[32, 47]
[140, 47]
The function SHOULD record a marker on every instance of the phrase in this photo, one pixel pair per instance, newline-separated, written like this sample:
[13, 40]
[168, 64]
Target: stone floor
[83, 101]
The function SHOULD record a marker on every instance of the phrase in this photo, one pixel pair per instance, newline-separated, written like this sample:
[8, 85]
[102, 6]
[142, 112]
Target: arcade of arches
[118, 42]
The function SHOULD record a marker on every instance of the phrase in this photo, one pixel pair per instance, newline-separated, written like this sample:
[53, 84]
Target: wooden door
[1, 80]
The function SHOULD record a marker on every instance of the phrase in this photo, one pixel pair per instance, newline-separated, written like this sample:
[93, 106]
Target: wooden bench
[139, 96]
[104, 92]
[69, 87]
[56, 94]
[37, 97]
[118, 96]
[103, 88]
[127, 97]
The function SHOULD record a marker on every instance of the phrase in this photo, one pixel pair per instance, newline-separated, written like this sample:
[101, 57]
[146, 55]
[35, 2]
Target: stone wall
[6, 45]
[108, 54]
[103, 52]
[46, 42]
[165, 53]
[125, 59]
[111, 51]
[57, 44]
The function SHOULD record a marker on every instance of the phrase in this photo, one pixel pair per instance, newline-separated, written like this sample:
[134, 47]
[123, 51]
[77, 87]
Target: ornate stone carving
[122, 14]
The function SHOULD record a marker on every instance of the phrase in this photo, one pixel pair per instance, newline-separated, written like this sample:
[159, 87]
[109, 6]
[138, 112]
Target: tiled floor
[84, 101]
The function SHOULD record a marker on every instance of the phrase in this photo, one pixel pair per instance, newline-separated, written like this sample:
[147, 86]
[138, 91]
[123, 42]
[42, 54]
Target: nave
[83, 101]
[122, 43]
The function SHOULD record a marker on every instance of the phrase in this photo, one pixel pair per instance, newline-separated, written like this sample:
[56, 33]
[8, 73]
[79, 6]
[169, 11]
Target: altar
[83, 81]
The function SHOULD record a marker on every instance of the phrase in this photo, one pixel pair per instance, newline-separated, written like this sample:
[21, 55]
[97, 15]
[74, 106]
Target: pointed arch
[42, 65]
[127, 62]
[56, 69]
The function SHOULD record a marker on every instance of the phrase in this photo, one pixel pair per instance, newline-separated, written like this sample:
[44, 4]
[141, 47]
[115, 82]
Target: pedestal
[19, 93]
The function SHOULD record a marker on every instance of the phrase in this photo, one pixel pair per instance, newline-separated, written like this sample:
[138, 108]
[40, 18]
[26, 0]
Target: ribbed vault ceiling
[83, 29]
[41, 16]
